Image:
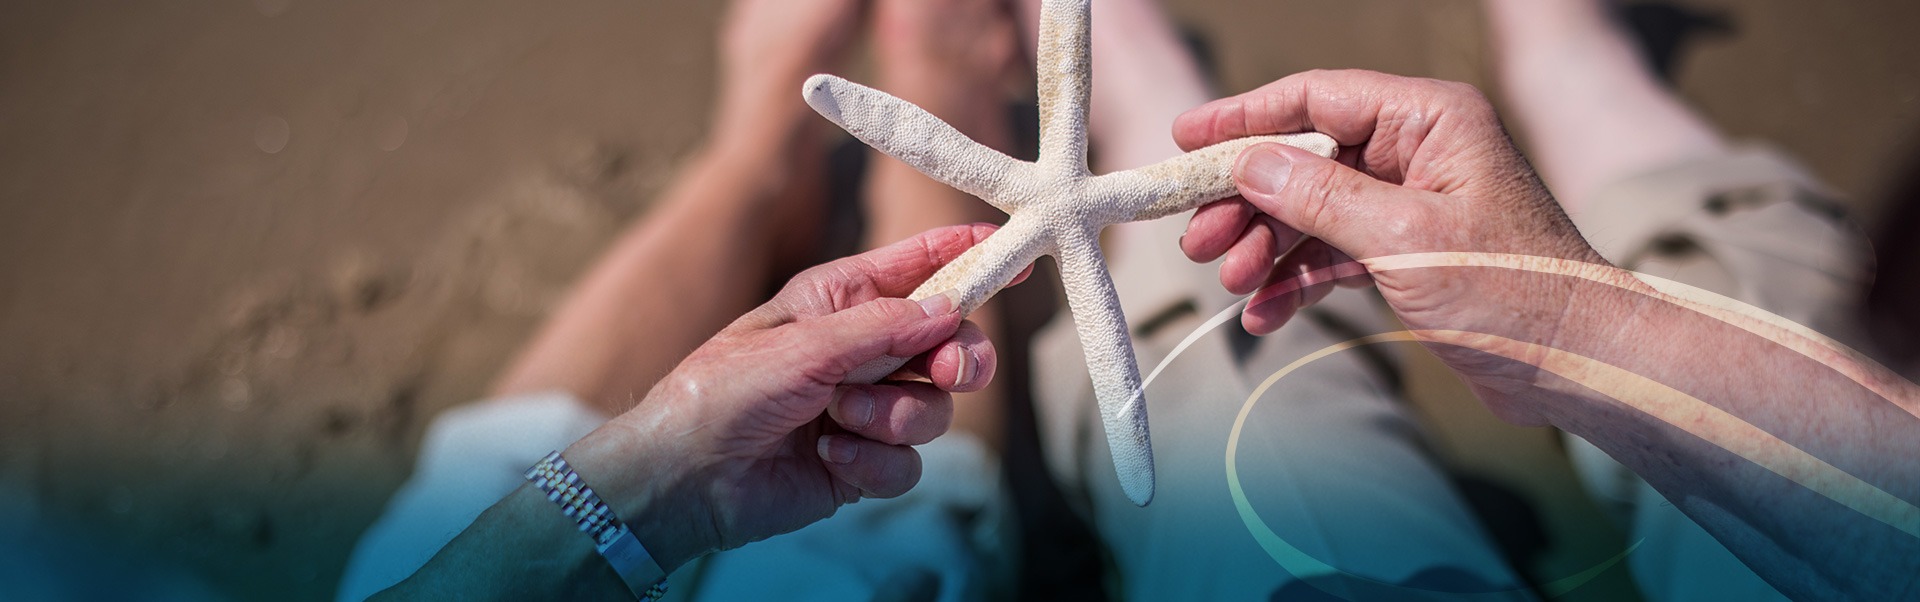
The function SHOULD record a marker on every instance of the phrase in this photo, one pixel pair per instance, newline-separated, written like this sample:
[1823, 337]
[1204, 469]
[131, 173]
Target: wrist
[649, 487]
[1606, 321]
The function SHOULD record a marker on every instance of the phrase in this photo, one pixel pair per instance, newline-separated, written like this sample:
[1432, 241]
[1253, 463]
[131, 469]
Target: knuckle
[1315, 189]
[816, 290]
[1343, 73]
[1311, 181]
[1323, 74]
[888, 309]
[914, 415]
[1378, 77]
[936, 410]
[1408, 222]
[1460, 91]
[814, 277]
[899, 475]
[1468, 98]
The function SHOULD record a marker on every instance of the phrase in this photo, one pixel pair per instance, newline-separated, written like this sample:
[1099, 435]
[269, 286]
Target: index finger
[1392, 120]
[891, 271]
[1343, 104]
[896, 269]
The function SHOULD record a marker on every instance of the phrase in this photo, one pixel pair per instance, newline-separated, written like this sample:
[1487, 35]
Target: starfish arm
[1110, 360]
[1065, 74]
[1188, 181]
[908, 133]
[981, 272]
[977, 276]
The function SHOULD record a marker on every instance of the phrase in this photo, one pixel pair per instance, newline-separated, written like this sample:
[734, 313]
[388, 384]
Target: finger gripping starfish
[1056, 206]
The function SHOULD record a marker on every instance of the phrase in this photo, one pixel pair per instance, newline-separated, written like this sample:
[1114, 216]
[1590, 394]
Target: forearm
[526, 548]
[1761, 435]
[522, 548]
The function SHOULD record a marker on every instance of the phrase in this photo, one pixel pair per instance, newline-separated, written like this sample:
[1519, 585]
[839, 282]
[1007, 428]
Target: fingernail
[941, 304]
[1264, 170]
[856, 408]
[837, 450]
[968, 366]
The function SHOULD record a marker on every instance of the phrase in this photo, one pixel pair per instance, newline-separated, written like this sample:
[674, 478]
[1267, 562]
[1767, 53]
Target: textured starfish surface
[1056, 206]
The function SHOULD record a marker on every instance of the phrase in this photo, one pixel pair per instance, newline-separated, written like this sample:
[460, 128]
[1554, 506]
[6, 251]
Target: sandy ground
[248, 247]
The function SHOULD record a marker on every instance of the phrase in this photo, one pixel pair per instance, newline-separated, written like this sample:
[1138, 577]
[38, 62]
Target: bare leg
[951, 57]
[705, 253]
[1593, 111]
[1144, 77]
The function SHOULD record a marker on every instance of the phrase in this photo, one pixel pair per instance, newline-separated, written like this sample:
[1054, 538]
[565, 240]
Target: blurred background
[249, 247]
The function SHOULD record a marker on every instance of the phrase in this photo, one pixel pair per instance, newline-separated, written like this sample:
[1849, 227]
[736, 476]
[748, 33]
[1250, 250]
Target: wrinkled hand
[755, 434]
[1426, 167]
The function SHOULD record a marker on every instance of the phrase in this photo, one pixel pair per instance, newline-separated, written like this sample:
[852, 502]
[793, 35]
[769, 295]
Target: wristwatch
[611, 537]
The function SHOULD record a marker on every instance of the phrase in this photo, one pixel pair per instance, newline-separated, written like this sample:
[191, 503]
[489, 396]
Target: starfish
[1056, 206]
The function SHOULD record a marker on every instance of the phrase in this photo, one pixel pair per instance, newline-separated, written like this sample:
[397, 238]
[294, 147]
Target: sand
[248, 247]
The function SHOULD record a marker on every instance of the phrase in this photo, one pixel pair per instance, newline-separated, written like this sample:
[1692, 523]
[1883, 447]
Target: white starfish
[1056, 207]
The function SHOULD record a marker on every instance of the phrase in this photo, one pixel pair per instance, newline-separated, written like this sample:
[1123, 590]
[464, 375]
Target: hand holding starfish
[1057, 207]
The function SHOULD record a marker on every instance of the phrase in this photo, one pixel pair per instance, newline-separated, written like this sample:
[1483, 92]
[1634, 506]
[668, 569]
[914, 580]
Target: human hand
[755, 434]
[1426, 168]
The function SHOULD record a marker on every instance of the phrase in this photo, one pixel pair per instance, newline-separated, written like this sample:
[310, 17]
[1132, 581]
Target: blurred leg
[951, 57]
[1143, 77]
[1593, 109]
[735, 217]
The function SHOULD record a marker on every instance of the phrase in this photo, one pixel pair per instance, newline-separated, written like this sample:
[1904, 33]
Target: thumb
[830, 347]
[1356, 213]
